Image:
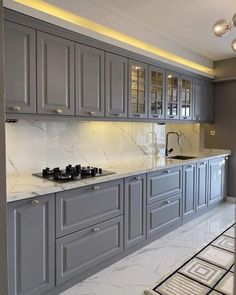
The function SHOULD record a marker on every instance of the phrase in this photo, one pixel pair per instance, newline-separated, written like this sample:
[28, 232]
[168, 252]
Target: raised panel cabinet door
[189, 190]
[89, 81]
[216, 180]
[156, 100]
[135, 210]
[186, 98]
[20, 69]
[31, 246]
[164, 214]
[87, 248]
[209, 104]
[163, 184]
[138, 89]
[116, 82]
[202, 184]
[55, 75]
[83, 207]
[199, 98]
[172, 95]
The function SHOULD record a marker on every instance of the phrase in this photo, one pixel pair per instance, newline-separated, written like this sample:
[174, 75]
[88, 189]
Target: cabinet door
[216, 180]
[200, 105]
[31, 238]
[186, 105]
[20, 69]
[89, 79]
[138, 89]
[135, 210]
[189, 190]
[172, 95]
[116, 85]
[202, 185]
[209, 104]
[87, 248]
[55, 75]
[156, 102]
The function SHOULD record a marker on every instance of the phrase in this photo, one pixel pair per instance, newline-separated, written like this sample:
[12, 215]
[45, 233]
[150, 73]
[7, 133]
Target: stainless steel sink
[180, 157]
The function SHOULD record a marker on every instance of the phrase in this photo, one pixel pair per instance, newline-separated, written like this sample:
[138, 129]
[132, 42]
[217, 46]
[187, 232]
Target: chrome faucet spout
[167, 150]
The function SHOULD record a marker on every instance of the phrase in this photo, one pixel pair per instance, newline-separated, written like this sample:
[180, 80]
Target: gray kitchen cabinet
[202, 185]
[87, 248]
[116, 85]
[89, 81]
[164, 214]
[216, 177]
[83, 207]
[199, 95]
[20, 69]
[208, 105]
[135, 210]
[156, 102]
[31, 242]
[55, 75]
[186, 98]
[189, 190]
[163, 184]
[172, 95]
[138, 89]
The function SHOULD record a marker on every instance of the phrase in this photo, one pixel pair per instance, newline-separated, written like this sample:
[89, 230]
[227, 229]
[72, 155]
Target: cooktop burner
[72, 173]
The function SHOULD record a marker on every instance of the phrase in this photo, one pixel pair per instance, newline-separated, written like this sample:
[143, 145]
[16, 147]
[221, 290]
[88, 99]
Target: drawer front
[163, 184]
[85, 249]
[163, 214]
[81, 208]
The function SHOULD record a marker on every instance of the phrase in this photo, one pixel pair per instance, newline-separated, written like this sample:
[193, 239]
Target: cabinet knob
[137, 178]
[15, 108]
[118, 114]
[35, 202]
[198, 118]
[96, 188]
[167, 202]
[171, 117]
[226, 158]
[59, 111]
[95, 229]
[92, 113]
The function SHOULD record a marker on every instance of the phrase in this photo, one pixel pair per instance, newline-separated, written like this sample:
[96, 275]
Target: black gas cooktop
[72, 173]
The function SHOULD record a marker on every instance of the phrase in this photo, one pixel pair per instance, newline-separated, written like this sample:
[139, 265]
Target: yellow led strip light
[63, 14]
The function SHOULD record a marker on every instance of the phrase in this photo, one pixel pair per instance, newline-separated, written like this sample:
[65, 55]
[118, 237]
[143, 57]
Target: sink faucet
[168, 151]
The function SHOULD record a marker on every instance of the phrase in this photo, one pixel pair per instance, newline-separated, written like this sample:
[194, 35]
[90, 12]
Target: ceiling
[187, 22]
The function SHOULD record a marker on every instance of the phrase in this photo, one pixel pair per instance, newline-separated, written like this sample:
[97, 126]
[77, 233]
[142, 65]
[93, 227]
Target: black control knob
[56, 170]
[100, 170]
[93, 172]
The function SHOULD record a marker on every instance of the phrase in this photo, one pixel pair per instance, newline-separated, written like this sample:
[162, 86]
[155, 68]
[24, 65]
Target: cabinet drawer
[163, 184]
[81, 208]
[163, 214]
[85, 249]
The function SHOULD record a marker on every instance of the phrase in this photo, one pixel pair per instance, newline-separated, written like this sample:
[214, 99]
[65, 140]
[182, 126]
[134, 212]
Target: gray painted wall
[3, 241]
[225, 68]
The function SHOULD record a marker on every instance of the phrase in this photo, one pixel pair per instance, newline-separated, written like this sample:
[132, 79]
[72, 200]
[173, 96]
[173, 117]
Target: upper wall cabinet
[55, 75]
[20, 76]
[172, 95]
[156, 104]
[185, 98]
[138, 89]
[116, 81]
[89, 75]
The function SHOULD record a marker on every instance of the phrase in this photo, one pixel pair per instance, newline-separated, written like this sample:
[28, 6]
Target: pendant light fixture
[222, 27]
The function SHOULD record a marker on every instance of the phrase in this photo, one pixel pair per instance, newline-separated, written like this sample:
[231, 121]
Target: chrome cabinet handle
[185, 117]
[166, 202]
[96, 188]
[118, 115]
[198, 118]
[166, 172]
[15, 108]
[190, 166]
[92, 113]
[138, 115]
[137, 178]
[59, 111]
[171, 117]
[34, 202]
[95, 229]
[155, 116]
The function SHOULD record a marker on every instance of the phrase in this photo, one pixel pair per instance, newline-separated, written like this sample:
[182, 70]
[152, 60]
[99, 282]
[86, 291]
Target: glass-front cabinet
[172, 95]
[186, 105]
[138, 86]
[156, 92]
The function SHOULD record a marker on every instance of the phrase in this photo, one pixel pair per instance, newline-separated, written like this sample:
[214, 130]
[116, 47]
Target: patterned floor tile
[232, 269]
[180, 285]
[225, 242]
[226, 285]
[217, 256]
[230, 232]
[203, 272]
[215, 293]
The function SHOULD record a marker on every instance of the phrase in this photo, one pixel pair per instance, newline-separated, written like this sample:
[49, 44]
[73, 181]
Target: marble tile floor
[143, 268]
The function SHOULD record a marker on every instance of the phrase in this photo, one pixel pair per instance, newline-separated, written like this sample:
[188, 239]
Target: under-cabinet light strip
[71, 17]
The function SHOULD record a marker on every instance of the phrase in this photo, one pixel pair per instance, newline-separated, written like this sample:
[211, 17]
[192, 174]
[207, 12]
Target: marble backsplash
[33, 145]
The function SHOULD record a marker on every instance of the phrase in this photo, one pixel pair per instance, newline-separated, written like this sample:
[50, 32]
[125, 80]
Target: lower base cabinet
[202, 185]
[87, 248]
[164, 214]
[31, 246]
[189, 190]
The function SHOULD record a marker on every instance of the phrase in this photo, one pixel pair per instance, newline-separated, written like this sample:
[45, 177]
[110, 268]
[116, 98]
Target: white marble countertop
[23, 186]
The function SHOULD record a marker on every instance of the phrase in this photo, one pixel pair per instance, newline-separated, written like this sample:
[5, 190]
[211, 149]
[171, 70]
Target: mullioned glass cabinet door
[186, 104]
[172, 95]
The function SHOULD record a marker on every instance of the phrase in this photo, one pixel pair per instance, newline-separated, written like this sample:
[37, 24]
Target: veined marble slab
[23, 186]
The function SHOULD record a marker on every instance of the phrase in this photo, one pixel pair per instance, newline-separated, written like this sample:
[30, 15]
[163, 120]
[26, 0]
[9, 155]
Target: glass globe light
[221, 28]
[233, 45]
[234, 19]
